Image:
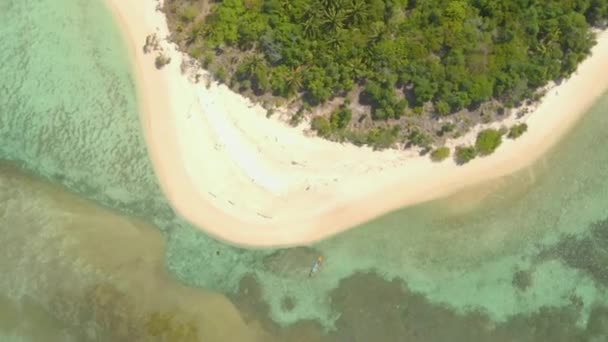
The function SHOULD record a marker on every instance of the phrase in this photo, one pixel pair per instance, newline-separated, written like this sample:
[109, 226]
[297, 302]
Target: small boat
[316, 266]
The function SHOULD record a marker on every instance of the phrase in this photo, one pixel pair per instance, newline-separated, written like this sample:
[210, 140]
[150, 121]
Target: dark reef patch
[522, 279]
[372, 309]
[588, 254]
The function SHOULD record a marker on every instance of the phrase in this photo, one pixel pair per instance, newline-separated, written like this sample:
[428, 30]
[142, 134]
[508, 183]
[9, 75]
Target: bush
[151, 43]
[221, 75]
[381, 138]
[522, 280]
[321, 125]
[161, 60]
[190, 13]
[207, 60]
[418, 138]
[517, 130]
[440, 154]
[356, 137]
[488, 141]
[340, 118]
[446, 128]
[465, 154]
[297, 118]
[245, 85]
[196, 51]
[442, 108]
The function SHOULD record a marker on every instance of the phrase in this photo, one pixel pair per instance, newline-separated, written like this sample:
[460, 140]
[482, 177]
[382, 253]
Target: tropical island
[248, 179]
[388, 73]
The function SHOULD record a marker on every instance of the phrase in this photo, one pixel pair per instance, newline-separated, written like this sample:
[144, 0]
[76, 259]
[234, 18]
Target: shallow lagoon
[522, 258]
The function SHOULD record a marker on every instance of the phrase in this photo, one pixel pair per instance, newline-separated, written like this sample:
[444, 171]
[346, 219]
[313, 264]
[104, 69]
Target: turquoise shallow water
[522, 258]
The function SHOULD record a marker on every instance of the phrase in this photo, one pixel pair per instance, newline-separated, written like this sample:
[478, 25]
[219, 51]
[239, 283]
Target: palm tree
[287, 6]
[356, 12]
[376, 32]
[294, 81]
[333, 18]
[329, 4]
[357, 67]
[337, 39]
[311, 26]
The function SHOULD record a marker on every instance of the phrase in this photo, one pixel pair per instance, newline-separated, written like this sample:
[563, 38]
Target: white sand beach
[254, 181]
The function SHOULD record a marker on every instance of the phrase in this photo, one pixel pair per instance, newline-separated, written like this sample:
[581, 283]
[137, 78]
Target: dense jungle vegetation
[396, 70]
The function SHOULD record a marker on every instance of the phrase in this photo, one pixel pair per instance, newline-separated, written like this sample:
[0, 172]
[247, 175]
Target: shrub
[207, 59]
[221, 75]
[189, 13]
[424, 151]
[446, 128]
[419, 138]
[245, 85]
[356, 137]
[297, 117]
[487, 141]
[440, 154]
[465, 154]
[196, 51]
[517, 130]
[321, 125]
[161, 60]
[151, 43]
[442, 108]
[340, 118]
[522, 280]
[381, 138]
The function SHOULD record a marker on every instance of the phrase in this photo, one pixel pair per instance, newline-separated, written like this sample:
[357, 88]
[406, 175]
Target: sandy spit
[254, 181]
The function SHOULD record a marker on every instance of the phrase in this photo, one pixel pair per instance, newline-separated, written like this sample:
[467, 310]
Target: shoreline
[253, 181]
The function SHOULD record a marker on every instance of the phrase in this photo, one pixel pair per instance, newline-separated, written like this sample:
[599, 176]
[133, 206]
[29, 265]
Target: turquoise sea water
[524, 258]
